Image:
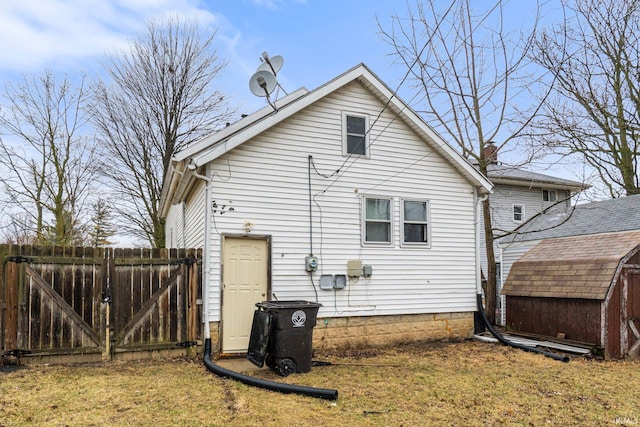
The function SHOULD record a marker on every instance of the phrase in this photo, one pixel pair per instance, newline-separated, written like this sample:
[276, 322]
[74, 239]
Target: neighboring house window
[518, 213]
[415, 222]
[355, 135]
[377, 220]
[549, 195]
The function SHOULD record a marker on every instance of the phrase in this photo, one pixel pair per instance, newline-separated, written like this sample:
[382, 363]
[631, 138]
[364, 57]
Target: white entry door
[244, 283]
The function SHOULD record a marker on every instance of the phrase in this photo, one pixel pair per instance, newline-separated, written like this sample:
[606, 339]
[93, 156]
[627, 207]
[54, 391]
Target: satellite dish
[262, 83]
[272, 64]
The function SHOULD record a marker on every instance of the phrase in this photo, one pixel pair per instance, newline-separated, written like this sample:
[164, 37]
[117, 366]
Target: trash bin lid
[287, 304]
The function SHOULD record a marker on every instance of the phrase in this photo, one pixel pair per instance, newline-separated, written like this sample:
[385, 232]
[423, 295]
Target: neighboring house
[347, 177]
[519, 195]
[584, 288]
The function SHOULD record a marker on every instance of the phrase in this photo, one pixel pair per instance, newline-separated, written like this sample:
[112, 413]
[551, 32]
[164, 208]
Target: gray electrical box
[326, 281]
[367, 270]
[311, 263]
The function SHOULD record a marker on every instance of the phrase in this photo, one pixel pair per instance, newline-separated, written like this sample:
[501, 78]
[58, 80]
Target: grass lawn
[417, 384]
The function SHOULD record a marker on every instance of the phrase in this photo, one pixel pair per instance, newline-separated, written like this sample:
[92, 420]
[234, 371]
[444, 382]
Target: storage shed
[584, 287]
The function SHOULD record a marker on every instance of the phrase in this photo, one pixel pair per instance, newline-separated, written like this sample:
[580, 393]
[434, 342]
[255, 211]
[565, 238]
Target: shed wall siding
[267, 181]
[551, 316]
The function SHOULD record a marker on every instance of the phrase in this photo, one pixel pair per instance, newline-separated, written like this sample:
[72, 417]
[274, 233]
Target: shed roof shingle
[580, 267]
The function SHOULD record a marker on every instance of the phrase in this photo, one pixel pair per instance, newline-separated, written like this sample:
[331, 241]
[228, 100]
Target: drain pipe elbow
[322, 393]
[505, 341]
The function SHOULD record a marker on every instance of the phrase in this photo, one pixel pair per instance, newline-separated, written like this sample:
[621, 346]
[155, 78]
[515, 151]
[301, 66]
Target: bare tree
[161, 97]
[50, 165]
[595, 108]
[474, 79]
[18, 230]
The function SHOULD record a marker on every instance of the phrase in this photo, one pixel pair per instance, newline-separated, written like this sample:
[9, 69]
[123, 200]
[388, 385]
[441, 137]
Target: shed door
[633, 314]
[244, 283]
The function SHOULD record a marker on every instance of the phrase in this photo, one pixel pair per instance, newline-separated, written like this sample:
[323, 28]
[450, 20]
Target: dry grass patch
[467, 383]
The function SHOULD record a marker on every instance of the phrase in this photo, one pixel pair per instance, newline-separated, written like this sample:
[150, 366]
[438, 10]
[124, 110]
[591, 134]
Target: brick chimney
[491, 153]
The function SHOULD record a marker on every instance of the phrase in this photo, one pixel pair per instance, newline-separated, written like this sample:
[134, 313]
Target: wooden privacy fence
[106, 301]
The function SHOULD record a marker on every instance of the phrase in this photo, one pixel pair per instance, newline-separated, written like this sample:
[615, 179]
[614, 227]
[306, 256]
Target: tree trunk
[490, 288]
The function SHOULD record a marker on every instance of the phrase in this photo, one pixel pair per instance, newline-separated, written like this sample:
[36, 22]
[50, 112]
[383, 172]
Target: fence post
[105, 304]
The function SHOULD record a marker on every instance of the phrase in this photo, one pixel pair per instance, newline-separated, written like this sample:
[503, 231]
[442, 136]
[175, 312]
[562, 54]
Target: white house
[348, 175]
[518, 196]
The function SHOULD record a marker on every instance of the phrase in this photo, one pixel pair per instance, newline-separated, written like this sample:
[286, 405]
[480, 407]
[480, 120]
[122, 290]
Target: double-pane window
[377, 221]
[415, 221]
[355, 135]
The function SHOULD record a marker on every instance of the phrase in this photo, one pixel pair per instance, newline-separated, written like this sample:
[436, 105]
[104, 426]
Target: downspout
[205, 251]
[480, 307]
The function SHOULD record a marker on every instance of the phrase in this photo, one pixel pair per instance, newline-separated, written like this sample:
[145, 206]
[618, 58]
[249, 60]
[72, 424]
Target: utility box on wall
[354, 268]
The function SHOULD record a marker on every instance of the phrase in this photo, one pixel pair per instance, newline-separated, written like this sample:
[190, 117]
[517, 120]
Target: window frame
[345, 134]
[365, 220]
[521, 213]
[427, 223]
[547, 192]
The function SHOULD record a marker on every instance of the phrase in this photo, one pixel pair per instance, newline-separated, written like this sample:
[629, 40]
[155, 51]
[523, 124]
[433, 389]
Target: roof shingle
[580, 267]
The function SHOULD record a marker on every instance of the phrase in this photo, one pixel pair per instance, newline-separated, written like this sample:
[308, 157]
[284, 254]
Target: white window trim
[344, 134]
[415, 244]
[363, 226]
[513, 213]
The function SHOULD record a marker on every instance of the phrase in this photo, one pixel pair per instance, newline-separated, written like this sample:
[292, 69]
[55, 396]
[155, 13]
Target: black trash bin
[282, 335]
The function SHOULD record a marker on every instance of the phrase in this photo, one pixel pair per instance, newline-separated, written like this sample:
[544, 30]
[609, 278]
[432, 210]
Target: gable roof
[209, 148]
[581, 267]
[605, 216]
[499, 173]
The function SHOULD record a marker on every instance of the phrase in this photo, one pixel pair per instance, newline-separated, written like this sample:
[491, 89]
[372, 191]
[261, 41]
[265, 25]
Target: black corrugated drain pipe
[322, 393]
[505, 341]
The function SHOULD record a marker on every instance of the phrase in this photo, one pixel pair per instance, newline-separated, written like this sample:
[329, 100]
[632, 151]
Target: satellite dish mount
[263, 82]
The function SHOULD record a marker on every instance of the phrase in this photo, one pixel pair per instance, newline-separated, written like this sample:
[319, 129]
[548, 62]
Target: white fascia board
[201, 145]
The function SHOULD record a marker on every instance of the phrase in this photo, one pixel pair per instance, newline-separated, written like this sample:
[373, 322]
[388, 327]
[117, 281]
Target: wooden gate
[102, 301]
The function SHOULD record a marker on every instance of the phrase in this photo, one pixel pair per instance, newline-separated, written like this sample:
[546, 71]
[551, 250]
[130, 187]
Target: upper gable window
[355, 137]
[549, 195]
[518, 213]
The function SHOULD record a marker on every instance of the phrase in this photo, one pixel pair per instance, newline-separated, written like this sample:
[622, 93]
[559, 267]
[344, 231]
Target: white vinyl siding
[267, 182]
[174, 227]
[195, 217]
